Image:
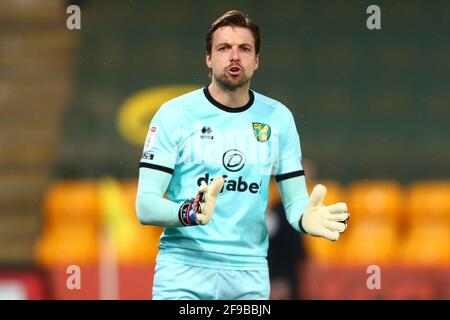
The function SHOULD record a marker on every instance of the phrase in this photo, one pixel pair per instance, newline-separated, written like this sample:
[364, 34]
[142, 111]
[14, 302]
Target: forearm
[151, 207]
[157, 211]
[294, 195]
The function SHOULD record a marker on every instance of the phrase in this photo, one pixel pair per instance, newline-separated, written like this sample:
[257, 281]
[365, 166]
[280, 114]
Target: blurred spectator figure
[285, 252]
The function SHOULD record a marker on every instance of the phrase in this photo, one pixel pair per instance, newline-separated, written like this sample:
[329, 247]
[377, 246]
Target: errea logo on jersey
[238, 185]
[206, 133]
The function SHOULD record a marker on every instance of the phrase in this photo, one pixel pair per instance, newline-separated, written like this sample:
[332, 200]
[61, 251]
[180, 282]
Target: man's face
[233, 58]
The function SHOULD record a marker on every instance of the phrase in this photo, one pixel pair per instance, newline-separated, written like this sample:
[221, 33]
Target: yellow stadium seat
[140, 247]
[132, 243]
[71, 202]
[379, 200]
[322, 250]
[67, 245]
[371, 242]
[429, 200]
[129, 188]
[427, 244]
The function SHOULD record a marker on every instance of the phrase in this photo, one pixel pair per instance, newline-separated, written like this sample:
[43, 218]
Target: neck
[235, 98]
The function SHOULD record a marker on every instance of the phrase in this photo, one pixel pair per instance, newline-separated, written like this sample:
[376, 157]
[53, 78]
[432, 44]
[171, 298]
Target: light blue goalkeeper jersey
[195, 138]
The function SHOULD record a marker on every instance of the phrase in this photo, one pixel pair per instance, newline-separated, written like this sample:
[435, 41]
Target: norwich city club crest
[261, 131]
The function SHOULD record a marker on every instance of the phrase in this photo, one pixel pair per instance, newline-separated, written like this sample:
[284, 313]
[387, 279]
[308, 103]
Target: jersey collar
[229, 109]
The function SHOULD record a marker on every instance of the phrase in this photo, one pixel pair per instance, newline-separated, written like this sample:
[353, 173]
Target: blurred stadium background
[372, 109]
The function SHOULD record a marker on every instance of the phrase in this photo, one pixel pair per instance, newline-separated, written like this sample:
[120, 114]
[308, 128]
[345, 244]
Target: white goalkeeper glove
[200, 209]
[324, 221]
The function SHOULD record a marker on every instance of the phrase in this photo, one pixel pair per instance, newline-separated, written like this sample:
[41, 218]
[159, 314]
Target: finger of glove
[330, 235]
[215, 187]
[317, 195]
[202, 219]
[335, 226]
[339, 216]
[204, 209]
[208, 206]
[204, 216]
[203, 188]
[339, 207]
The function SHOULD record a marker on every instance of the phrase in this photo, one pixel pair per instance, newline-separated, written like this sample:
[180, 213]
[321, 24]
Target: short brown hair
[233, 18]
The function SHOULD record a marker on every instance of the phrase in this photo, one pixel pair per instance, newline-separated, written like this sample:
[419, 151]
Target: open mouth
[234, 71]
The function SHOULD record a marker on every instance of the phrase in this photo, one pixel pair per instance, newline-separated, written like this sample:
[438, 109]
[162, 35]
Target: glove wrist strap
[189, 209]
[187, 214]
[300, 225]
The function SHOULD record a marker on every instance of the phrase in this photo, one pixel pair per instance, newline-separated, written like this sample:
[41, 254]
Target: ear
[257, 62]
[208, 61]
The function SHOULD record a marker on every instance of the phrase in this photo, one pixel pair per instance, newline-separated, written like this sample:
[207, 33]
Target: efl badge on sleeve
[151, 138]
[262, 131]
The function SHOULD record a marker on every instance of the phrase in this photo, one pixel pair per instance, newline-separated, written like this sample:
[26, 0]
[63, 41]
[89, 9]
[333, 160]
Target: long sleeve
[290, 175]
[157, 165]
[151, 207]
[295, 199]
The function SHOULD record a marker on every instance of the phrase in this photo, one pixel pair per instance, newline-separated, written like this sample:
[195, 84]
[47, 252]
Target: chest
[230, 142]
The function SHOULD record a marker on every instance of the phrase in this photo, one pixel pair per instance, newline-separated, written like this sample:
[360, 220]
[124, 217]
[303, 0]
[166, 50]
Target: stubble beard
[230, 83]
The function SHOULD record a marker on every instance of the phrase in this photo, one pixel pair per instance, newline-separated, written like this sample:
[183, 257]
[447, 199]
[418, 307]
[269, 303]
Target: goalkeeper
[212, 151]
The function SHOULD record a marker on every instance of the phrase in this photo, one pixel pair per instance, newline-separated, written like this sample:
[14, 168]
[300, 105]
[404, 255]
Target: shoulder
[175, 107]
[274, 106]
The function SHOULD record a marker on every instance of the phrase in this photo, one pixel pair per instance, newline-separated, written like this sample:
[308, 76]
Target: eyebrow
[227, 44]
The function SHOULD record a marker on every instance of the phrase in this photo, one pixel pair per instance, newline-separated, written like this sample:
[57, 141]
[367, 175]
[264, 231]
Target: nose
[235, 54]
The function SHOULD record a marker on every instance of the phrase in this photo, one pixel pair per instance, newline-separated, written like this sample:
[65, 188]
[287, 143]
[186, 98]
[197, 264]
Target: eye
[223, 49]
